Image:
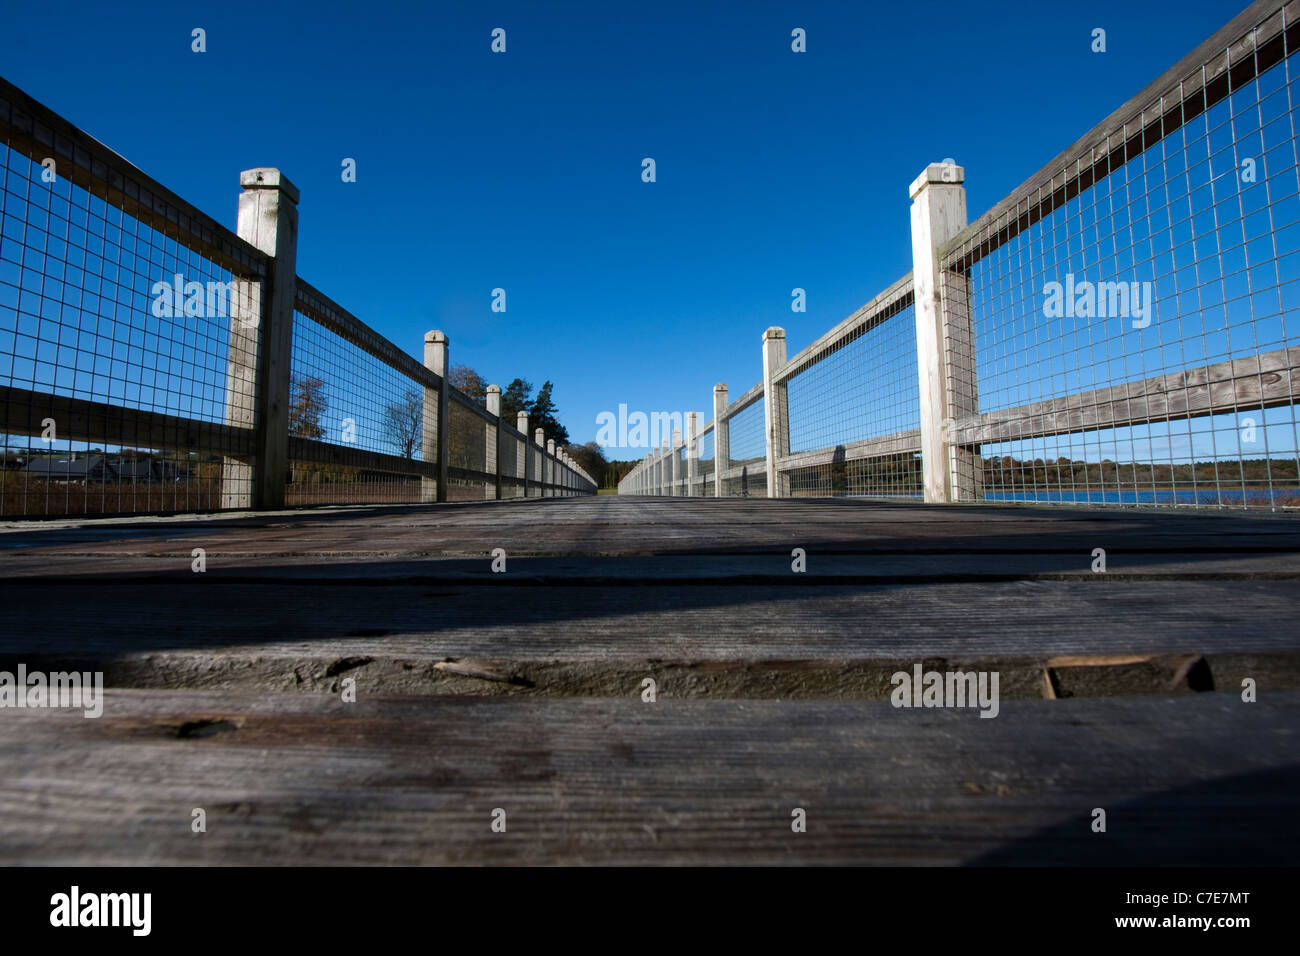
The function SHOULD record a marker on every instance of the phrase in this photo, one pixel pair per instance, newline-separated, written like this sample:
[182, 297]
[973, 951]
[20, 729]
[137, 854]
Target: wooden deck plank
[618, 584]
[1203, 779]
[172, 561]
[721, 622]
[771, 685]
[609, 526]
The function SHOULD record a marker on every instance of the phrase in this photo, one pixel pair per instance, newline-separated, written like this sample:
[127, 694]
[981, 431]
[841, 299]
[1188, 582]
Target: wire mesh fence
[853, 397]
[117, 339]
[1151, 286]
[472, 434]
[706, 465]
[342, 396]
[883, 476]
[1121, 330]
[511, 454]
[746, 474]
[136, 365]
[864, 388]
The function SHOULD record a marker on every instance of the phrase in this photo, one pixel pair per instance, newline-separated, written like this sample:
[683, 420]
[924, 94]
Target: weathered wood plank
[618, 582]
[617, 526]
[161, 560]
[297, 780]
[22, 412]
[753, 394]
[331, 619]
[306, 449]
[1238, 385]
[896, 444]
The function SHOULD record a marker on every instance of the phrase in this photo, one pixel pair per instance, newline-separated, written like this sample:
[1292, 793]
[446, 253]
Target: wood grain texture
[1235, 386]
[610, 525]
[626, 580]
[22, 412]
[1200, 780]
[522, 690]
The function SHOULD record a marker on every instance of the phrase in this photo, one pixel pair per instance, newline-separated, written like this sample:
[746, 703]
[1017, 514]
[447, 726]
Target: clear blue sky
[523, 170]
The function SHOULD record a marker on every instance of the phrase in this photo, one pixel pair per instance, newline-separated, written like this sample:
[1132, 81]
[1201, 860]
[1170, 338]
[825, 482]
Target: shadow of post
[839, 472]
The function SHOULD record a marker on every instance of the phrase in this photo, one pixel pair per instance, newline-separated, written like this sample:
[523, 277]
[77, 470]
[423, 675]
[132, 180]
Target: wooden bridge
[525, 690]
[466, 660]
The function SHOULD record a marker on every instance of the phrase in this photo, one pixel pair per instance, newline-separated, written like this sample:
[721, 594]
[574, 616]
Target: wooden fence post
[261, 342]
[945, 350]
[436, 414]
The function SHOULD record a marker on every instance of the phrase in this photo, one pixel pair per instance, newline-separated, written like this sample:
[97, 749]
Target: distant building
[107, 469]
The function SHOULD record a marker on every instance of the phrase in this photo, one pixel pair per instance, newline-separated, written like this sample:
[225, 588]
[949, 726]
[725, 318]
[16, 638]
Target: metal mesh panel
[706, 444]
[747, 481]
[115, 351]
[882, 476]
[533, 463]
[747, 476]
[1144, 464]
[1184, 372]
[363, 402]
[746, 442]
[865, 389]
[512, 479]
[342, 395]
[467, 450]
[318, 483]
[130, 343]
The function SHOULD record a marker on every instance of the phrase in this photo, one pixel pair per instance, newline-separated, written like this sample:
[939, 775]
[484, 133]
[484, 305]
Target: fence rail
[153, 360]
[1124, 328]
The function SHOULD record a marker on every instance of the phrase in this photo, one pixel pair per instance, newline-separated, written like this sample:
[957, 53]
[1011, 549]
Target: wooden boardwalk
[522, 690]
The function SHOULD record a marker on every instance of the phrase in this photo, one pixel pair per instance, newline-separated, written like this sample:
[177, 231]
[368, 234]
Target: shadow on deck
[476, 688]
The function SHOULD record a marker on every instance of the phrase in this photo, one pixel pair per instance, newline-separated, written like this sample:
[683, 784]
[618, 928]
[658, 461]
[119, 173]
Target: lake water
[1206, 496]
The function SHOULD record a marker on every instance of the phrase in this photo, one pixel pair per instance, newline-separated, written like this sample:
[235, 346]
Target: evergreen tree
[542, 414]
[516, 398]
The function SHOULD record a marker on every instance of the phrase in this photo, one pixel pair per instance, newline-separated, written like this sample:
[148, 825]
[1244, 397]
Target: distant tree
[404, 422]
[591, 459]
[542, 414]
[516, 398]
[616, 472]
[470, 383]
[541, 411]
[306, 405]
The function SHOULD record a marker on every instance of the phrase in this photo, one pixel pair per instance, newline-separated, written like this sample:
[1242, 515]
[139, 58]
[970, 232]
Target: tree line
[402, 422]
